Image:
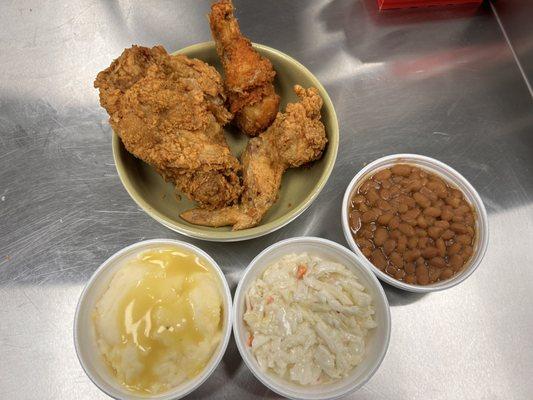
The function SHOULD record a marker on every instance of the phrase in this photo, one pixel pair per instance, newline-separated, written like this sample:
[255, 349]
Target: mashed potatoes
[159, 321]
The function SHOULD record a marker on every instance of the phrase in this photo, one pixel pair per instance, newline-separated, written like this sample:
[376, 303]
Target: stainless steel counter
[439, 83]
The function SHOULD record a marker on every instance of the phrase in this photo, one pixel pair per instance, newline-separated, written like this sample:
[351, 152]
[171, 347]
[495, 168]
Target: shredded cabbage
[308, 319]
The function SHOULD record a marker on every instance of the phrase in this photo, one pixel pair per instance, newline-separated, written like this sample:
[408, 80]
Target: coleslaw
[308, 319]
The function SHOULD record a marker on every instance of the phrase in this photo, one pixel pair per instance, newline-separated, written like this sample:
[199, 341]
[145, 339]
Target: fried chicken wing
[169, 112]
[248, 76]
[296, 137]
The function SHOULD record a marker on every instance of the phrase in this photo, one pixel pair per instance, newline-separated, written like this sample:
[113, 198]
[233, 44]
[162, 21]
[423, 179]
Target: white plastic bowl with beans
[377, 341]
[454, 179]
[85, 337]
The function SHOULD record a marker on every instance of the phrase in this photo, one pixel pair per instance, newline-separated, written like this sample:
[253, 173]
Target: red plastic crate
[388, 4]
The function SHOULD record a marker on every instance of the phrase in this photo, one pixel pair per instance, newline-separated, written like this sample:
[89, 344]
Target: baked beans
[412, 224]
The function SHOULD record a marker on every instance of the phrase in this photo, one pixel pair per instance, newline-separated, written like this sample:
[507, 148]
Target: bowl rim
[217, 356]
[240, 292]
[409, 158]
[260, 230]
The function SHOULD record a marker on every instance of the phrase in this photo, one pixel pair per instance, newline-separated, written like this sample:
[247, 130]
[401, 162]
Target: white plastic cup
[377, 340]
[449, 175]
[87, 350]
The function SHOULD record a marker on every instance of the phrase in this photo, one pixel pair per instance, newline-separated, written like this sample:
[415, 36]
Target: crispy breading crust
[248, 76]
[296, 137]
[169, 112]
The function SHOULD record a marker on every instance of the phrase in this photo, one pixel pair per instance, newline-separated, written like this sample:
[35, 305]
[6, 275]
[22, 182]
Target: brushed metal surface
[515, 16]
[439, 83]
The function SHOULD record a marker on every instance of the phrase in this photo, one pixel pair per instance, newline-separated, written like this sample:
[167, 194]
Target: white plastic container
[377, 341]
[451, 176]
[84, 334]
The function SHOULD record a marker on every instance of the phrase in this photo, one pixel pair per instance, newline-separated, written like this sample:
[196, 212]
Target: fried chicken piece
[248, 76]
[169, 112]
[297, 137]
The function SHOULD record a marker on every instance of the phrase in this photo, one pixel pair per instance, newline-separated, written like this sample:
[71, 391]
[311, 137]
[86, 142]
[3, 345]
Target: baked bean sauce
[412, 224]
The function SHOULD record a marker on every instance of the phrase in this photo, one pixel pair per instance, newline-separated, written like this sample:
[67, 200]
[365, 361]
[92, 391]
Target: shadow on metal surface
[398, 297]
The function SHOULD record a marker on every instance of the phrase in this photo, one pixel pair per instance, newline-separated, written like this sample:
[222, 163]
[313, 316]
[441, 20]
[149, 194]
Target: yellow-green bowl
[299, 187]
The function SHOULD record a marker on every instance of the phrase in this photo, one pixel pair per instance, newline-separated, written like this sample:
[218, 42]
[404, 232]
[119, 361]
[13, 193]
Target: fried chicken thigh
[169, 112]
[296, 137]
[248, 76]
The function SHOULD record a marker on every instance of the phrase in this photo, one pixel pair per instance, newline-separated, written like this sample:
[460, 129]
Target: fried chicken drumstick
[296, 137]
[169, 112]
[248, 76]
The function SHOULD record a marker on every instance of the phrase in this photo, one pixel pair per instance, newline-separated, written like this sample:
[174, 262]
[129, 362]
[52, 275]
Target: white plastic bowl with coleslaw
[285, 319]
